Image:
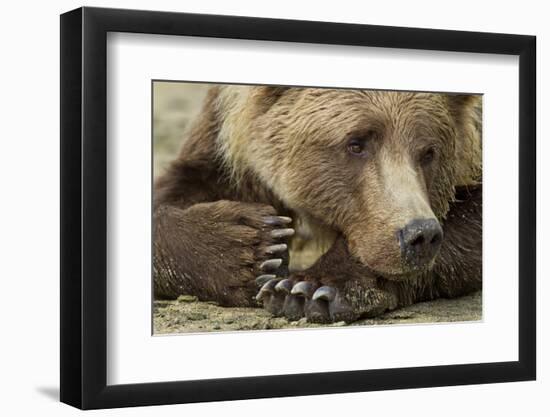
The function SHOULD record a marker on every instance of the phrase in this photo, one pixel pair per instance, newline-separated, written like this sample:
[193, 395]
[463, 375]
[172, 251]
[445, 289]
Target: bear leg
[216, 250]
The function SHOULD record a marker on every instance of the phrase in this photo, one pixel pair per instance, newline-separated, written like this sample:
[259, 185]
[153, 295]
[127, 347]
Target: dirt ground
[175, 105]
[187, 315]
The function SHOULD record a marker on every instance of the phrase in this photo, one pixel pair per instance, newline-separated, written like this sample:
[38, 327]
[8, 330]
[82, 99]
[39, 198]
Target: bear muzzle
[419, 242]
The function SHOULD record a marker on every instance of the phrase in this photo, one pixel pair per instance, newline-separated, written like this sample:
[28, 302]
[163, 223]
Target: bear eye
[356, 146]
[428, 156]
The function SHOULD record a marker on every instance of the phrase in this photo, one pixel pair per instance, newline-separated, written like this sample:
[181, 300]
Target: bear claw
[284, 286]
[267, 288]
[272, 297]
[273, 249]
[277, 220]
[328, 303]
[272, 259]
[262, 279]
[324, 293]
[303, 289]
[271, 265]
[282, 233]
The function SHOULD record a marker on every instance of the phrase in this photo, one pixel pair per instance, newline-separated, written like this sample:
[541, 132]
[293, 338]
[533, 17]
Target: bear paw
[294, 300]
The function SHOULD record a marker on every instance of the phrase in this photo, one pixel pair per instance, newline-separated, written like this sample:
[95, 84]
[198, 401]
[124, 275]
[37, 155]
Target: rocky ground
[187, 315]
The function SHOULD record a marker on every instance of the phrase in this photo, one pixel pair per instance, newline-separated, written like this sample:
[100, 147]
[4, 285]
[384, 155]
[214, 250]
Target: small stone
[162, 303]
[187, 298]
[195, 316]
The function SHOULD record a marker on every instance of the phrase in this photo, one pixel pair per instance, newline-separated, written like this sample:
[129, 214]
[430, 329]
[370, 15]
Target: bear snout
[420, 241]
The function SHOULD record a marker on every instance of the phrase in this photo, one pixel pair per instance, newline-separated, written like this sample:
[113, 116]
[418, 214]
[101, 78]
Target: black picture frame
[84, 207]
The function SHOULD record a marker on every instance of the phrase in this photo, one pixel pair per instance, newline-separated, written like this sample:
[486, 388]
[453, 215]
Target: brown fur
[256, 151]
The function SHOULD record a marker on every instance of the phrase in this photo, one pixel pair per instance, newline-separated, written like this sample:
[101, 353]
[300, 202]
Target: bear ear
[267, 96]
[462, 104]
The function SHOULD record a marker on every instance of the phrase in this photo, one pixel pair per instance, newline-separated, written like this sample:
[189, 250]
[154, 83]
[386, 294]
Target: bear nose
[420, 240]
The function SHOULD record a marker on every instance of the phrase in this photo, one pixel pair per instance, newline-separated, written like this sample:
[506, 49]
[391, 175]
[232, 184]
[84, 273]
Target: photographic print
[281, 200]
[289, 207]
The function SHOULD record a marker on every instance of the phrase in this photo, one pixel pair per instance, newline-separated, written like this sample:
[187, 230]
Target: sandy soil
[175, 105]
[187, 315]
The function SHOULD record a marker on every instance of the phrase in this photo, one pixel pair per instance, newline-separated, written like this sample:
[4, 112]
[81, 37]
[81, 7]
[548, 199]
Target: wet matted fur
[282, 154]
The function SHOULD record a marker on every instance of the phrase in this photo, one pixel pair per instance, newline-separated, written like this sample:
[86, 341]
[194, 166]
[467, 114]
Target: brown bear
[332, 204]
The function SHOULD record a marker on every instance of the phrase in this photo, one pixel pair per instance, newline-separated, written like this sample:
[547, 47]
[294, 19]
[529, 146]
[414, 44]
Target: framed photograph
[258, 208]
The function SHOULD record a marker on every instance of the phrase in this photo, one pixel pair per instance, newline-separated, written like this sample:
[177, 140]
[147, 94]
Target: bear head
[380, 167]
